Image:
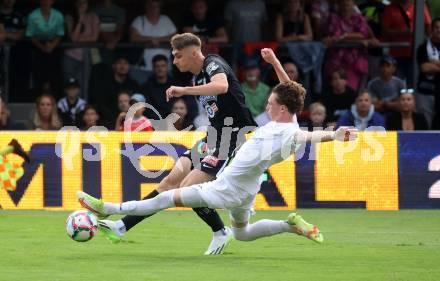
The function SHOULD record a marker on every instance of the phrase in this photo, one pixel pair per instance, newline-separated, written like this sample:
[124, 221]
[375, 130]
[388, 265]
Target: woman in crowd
[406, 119]
[348, 26]
[46, 115]
[90, 117]
[293, 24]
[180, 108]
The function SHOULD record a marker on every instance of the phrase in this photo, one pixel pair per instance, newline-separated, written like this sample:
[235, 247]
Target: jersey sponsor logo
[212, 66]
[210, 160]
[211, 110]
[205, 99]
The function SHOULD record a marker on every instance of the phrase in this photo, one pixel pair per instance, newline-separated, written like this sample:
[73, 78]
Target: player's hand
[268, 55]
[346, 134]
[175, 92]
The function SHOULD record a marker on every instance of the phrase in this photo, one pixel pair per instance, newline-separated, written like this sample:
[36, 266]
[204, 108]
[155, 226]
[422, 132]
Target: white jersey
[270, 144]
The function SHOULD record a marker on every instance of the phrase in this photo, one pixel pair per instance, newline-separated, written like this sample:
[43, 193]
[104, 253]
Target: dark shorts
[207, 160]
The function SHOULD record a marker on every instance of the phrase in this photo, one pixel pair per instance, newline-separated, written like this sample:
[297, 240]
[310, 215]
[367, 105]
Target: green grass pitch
[359, 245]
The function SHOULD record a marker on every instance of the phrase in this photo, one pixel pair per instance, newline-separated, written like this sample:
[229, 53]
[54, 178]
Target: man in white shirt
[152, 29]
[237, 185]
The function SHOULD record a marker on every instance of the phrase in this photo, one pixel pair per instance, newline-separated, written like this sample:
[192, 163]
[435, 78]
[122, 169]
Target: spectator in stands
[14, 24]
[340, 98]
[90, 118]
[45, 29]
[123, 106]
[208, 28]
[104, 89]
[5, 119]
[124, 101]
[111, 26]
[156, 86]
[428, 86]
[320, 13]
[152, 29]
[82, 27]
[71, 107]
[317, 117]
[255, 91]
[349, 27]
[406, 119]
[386, 88]
[291, 70]
[245, 19]
[180, 108]
[46, 116]
[137, 123]
[13, 21]
[294, 23]
[362, 114]
[397, 26]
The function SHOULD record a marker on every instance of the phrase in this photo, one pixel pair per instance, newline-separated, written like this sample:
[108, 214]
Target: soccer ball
[81, 226]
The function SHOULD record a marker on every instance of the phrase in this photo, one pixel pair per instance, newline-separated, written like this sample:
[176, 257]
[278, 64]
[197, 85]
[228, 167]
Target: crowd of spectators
[76, 82]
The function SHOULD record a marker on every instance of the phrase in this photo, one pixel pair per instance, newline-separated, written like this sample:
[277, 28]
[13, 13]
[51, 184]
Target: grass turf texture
[359, 245]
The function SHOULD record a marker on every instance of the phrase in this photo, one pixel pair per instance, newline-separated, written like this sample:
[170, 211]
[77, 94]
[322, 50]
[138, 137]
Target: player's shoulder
[213, 63]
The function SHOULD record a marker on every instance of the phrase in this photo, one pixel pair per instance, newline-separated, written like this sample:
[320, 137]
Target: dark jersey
[225, 109]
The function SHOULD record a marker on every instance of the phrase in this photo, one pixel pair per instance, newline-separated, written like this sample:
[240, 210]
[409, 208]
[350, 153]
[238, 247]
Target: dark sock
[211, 217]
[130, 221]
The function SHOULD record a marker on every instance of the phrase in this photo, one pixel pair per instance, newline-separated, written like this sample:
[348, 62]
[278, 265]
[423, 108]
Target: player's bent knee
[242, 234]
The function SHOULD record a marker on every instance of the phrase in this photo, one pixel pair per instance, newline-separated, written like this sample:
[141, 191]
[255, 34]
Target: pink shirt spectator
[353, 60]
[89, 33]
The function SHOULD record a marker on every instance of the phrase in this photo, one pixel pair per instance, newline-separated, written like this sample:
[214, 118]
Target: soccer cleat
[18, 149]
[92, 204]
[109, 230]
[304, 228]
[219, 243]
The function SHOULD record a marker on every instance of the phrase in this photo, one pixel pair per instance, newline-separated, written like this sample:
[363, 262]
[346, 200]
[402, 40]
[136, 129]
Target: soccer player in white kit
[237, 185]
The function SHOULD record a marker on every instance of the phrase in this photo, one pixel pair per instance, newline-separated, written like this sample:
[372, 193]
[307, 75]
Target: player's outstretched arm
[270, 57]
[218, 85]
[341, 134]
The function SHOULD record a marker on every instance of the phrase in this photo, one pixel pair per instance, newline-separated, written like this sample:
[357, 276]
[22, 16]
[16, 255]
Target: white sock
[142, 208]
[261, 228]
[220, 232]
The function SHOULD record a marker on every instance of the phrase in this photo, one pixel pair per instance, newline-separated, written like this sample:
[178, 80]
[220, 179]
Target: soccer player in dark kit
[218, 90]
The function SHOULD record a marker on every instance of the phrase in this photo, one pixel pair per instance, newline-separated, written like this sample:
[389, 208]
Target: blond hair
[317, 106]
[183, 40]
[55, 122]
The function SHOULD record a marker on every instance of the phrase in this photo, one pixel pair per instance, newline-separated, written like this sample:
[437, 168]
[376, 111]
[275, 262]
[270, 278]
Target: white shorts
[219, 195]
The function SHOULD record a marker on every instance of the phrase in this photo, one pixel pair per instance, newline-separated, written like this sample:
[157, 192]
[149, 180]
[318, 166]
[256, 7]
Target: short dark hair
[124, 92]
[183, 40]
[290, 94]
[434, 21]
[159, 57]
[90, 107]
[364, 91]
